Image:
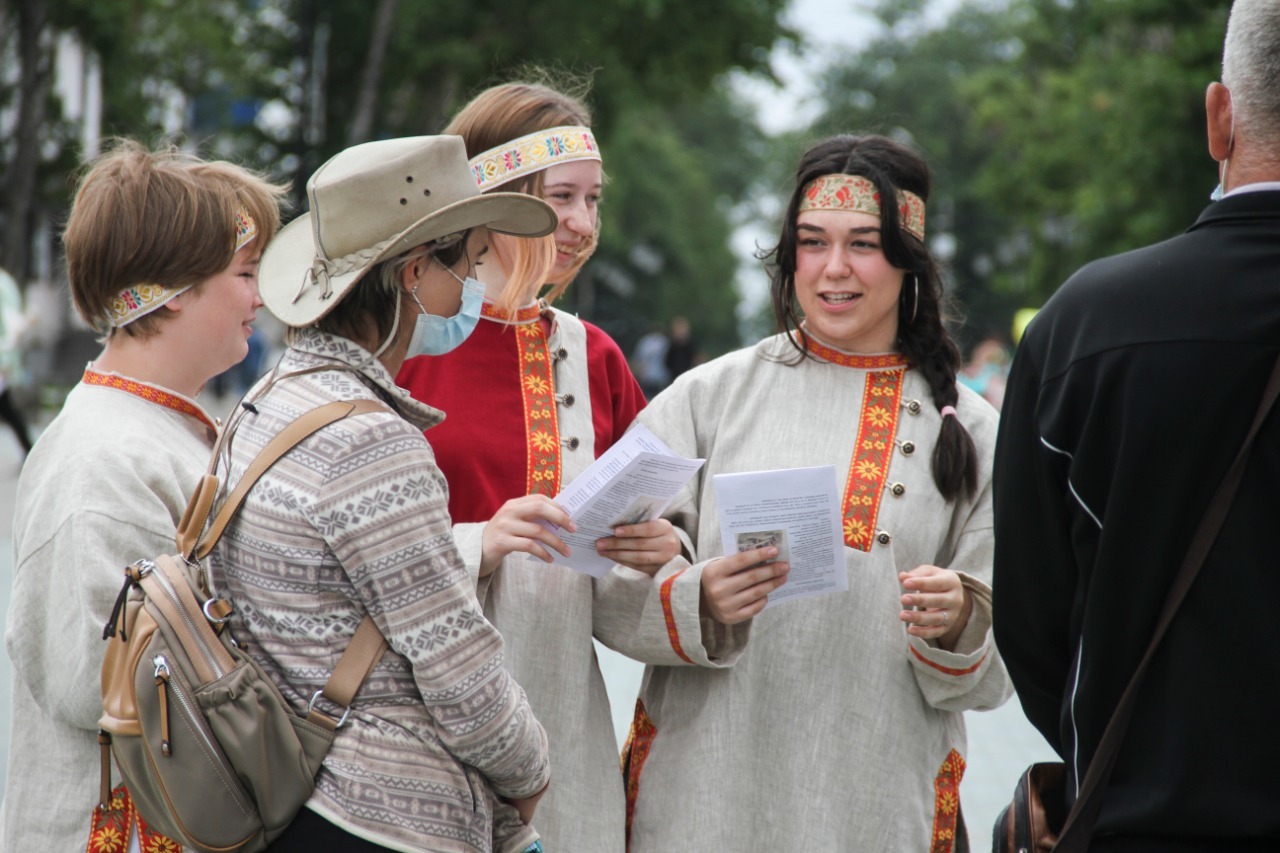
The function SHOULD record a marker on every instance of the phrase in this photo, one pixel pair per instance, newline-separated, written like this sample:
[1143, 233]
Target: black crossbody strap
[1084, 814]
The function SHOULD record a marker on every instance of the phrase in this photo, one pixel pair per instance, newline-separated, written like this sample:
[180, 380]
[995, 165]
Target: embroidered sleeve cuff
[656, 620]
[970, 678]
[701, 640]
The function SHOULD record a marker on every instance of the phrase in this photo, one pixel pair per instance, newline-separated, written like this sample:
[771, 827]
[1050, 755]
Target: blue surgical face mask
[434, 335]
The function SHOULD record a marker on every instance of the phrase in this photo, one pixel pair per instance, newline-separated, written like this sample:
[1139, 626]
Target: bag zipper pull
[162, 688]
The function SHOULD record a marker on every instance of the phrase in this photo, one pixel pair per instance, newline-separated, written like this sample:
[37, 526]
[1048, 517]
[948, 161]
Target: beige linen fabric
[105, 485]
[547, 614]
[833, 728]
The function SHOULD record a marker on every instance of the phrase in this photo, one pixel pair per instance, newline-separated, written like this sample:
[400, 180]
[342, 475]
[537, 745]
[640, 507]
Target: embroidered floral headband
[533, 153]
[141, 299]
[859, 194]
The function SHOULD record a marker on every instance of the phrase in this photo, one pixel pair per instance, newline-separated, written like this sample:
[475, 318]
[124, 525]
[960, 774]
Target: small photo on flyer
[763, 539]
[642, 509]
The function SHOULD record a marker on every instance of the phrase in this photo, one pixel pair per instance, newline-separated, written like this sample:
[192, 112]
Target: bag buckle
[346, 712]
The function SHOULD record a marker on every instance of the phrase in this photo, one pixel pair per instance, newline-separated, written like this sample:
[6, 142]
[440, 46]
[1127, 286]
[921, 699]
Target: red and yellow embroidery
[634, 754]
[150, 394]
[869, 467]
[110, 827]
[527, 314]
[861, 362]
[947, 670]
[541, 423]
[673, 634]
[946, 808]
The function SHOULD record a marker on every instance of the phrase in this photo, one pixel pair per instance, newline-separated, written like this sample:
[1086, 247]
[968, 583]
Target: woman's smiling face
[846, 287]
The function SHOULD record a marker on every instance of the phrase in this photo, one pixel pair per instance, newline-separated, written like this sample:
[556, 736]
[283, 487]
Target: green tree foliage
[284, 84]
[1058, 130]
[667, 217]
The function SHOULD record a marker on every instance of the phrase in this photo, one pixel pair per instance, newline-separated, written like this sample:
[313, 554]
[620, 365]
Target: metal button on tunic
[897, 490]
[908, 447]
[884, 537]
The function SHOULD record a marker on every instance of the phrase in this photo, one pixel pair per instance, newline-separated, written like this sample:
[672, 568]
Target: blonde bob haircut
[157, 217]
[498, 115]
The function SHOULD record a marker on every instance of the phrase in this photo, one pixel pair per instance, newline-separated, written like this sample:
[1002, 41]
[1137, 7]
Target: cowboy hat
[372, 202]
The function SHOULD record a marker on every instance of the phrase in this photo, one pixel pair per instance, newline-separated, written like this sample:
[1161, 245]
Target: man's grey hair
[1251, 68]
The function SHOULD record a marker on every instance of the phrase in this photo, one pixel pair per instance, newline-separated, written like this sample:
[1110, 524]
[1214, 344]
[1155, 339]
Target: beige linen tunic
[105, 485]
[350, 522]
[835, 730]
[548, 614]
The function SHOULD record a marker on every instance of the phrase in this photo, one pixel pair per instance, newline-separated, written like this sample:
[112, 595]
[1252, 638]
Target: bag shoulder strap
[288, 438]
[367, 644]
[1088, 804]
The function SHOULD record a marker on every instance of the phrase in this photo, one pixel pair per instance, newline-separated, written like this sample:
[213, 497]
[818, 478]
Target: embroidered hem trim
[541, 420]
[948, 670]
[110, 828]
[634, 755]
[946, 808]
[872, 450]
[149, 393]
[673, 634]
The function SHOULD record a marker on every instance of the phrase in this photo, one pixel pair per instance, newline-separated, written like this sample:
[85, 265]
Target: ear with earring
[915, 296]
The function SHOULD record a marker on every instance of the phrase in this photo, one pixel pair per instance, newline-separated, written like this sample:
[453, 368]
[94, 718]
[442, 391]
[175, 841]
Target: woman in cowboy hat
[162, 253]
[533, 398]
[442, 751]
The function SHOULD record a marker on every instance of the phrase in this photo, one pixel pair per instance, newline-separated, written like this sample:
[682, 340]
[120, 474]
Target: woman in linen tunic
[840, 726]
[532, 398]
[162, 254]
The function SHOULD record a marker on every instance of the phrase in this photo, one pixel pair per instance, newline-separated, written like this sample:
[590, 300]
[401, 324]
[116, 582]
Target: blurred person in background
[13, 324]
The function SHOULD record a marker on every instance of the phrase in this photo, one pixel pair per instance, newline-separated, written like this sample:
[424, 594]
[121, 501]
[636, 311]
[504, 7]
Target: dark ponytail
[922, 334]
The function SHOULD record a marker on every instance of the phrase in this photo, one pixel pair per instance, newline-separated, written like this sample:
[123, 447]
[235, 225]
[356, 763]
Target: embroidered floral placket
[538, 396]
[873, 448]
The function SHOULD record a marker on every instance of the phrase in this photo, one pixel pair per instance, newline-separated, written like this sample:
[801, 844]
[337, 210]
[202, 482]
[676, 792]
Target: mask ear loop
[1226, 161]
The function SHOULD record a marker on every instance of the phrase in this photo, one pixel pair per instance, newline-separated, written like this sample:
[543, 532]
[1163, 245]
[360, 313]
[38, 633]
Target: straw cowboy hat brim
[376, 201]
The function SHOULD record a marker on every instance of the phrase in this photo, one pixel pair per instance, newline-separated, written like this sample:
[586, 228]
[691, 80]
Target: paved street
[1001, 742]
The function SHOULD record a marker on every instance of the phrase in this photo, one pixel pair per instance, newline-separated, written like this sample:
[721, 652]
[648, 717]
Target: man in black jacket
[1131, 393]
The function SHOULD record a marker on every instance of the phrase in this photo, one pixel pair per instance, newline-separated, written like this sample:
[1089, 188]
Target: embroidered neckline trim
[883, 361]
[150, 393]
[524, 314]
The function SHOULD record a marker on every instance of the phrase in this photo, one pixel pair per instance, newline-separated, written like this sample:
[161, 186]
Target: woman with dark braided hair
[841, 727]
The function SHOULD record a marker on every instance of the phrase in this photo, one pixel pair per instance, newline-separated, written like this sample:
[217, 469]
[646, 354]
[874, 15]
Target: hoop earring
[915, 297]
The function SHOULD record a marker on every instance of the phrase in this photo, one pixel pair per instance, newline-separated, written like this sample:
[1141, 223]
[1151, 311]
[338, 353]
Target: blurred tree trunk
[35, 58]
[312, 45]
[361, 127]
